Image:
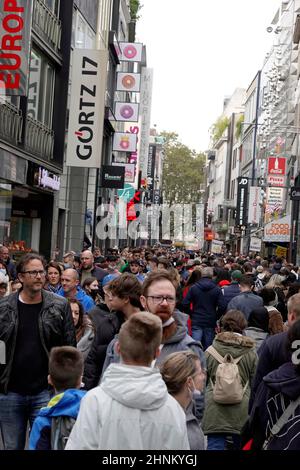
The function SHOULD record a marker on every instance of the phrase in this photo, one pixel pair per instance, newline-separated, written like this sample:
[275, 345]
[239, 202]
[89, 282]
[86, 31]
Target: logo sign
[157, 196]
[131, 51]
[45, 179]
[128, 112]
[216, 246]
[278, 230]
[276, 166]
[295, 193]
[15, 30]
[129, 171]
[113, 176]
[255, 244]
[126, 193]
[151, 167]
[145, 118]
[276, 181]
[85, 134]
[124, 142]
[254, 209]
[242, 201]
[127, 81]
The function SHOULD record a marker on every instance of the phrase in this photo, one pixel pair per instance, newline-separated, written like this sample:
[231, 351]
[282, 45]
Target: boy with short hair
[65, 375]
[131, 408]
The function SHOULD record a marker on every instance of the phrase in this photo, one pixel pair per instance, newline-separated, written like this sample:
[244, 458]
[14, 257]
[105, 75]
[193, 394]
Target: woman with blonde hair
[184, 378]
[276, 283]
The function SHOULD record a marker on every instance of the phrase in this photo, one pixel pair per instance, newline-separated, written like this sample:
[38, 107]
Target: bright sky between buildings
[201, 51]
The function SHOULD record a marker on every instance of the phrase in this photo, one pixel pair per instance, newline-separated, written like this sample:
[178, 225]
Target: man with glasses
[32, 321]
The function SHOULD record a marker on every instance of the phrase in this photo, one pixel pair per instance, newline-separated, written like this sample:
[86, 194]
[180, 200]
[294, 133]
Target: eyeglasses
[158, 299]
[35, 273]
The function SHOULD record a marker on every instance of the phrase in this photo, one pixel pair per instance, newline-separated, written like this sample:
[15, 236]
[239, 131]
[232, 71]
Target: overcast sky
[201, 50]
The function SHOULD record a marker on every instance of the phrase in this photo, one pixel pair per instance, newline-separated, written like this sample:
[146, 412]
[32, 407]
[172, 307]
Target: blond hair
[139, 337]
[177, 368]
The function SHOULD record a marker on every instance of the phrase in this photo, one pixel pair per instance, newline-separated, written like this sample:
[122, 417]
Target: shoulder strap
[213, 352]
[282, 420]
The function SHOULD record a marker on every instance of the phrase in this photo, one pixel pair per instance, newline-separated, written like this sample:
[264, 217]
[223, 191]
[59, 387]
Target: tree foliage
[183, 171]
[239, 126]
[135, 7]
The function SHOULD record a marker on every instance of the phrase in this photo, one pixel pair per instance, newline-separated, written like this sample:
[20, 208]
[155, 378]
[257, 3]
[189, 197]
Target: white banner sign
[254, 208]
[128, 81]
[278, 230]
[129, 171]
[255, 244]
[216, 246]
[124, 142]
[85, 133]
[145, 118]
[128, 112]
[131, 51]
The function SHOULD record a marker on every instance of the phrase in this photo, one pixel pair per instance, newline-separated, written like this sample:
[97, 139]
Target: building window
[83, 37]
[53, 5]
[41, 88]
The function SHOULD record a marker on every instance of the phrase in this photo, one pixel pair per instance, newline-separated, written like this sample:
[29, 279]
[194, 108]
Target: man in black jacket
[273, 352]
[32, 321]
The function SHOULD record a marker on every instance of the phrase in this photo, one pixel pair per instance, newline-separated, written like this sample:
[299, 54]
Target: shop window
[41, 88]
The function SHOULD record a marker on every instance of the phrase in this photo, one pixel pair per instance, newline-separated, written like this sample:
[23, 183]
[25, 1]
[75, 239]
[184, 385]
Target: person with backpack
[52, 426]
[231, 364]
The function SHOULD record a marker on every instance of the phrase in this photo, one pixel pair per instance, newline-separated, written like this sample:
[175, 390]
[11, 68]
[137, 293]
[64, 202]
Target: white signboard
[145, 118]
[129, 171]
[278, 230]
[131, 51]
[124, 142]
[216, 246]
[255, 244]
[128, 112]
[127, 81]
[254, 208]
[85, 133]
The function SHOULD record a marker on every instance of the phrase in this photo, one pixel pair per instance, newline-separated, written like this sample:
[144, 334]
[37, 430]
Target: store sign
[127, 81]
[15, 31]
[85, 134]
[276, 166]
[113, 176]
[216, 246]
[276, 181]
[145, 118]
[34, 86]
[129, 171]
[274, 199]
[48, 180]
[242, 201]
[128, 112]
[278, 230]
[131, 51]
[124, 142]
[255, 244]
[254, 208]
[295, 193]
[126, 193]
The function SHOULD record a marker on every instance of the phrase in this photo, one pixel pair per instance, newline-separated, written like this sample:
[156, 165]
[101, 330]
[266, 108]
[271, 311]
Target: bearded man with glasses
[32, 321]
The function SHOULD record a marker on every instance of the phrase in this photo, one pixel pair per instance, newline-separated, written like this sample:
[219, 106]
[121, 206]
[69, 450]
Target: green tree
[183, 171]
[219, 127]
[135, 7]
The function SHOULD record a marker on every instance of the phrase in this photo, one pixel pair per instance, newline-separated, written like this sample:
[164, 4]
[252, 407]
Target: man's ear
[50, 380]
[143, 301]
[157, 352]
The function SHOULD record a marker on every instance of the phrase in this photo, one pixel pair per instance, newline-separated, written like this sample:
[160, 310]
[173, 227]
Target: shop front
[26, 208]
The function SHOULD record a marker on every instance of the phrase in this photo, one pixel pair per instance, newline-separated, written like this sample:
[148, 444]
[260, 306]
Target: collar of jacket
[48, 299]
[237, 340]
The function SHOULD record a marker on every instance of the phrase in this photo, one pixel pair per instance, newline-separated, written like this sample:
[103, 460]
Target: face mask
[195, 393]
[3, 271]
[67, 266]
[94, 293]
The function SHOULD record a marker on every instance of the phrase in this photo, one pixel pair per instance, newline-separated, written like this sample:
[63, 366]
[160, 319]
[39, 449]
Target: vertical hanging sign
[145, 118]
[85, 134]
[242, 201]
[15, 34]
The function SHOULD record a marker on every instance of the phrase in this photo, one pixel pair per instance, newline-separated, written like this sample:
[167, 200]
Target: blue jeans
[15, 413]
[218, 441]
[204, 335]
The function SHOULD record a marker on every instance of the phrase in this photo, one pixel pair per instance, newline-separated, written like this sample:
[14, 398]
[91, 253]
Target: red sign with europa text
[276, 166]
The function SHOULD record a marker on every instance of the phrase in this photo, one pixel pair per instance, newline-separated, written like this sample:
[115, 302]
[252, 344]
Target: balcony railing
[39, 139]
[46, 24]
[11, 121]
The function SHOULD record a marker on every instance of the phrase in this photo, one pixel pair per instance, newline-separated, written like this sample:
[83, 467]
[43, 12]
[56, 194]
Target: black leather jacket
[55, 325]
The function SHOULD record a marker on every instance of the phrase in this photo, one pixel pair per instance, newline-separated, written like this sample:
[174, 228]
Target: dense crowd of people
[149, 348]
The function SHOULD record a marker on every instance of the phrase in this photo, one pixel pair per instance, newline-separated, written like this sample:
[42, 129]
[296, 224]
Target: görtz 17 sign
[85, 133]
[15, 29]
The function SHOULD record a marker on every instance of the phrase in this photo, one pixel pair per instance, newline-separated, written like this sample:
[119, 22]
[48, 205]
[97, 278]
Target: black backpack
[61, 427]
